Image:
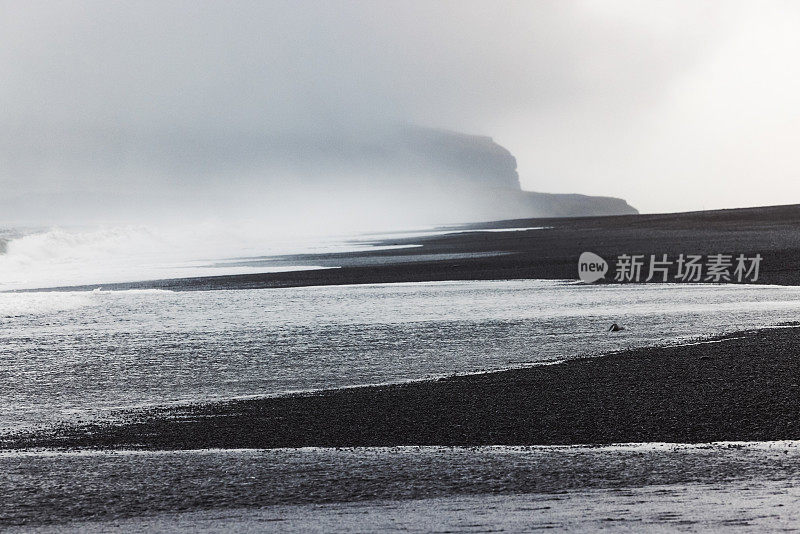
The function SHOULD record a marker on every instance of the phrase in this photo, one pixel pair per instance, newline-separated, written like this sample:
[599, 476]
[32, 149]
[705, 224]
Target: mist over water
[62, 256]
[137, 111]
[172, 230]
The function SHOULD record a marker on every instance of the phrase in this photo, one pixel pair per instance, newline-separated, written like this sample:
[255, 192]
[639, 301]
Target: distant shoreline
[743, 388]
[548, 251]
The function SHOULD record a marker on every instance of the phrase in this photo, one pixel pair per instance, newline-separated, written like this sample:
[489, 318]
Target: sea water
[74, 355]
[638, 488]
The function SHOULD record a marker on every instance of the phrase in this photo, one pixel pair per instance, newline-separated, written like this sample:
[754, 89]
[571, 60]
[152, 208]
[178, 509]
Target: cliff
[479, 175]
[382, 176]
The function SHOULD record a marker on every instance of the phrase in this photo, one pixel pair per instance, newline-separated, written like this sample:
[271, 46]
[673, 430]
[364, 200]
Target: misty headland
[364, 179]
[289, 194]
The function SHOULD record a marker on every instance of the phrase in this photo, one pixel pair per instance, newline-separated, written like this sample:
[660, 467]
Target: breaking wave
[62, 257]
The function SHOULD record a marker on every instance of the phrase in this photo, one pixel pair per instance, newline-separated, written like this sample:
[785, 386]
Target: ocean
[632, 488]
[74, 355]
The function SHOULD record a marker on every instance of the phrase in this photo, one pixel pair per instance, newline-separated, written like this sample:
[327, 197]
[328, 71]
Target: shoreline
[740, 387]
[546, 249]
[233, 484]
[117, 414]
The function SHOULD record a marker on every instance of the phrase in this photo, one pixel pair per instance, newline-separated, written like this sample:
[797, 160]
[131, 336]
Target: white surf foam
[64, 257]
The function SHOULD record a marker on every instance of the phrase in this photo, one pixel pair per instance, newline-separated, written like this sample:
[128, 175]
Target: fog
[137, 111]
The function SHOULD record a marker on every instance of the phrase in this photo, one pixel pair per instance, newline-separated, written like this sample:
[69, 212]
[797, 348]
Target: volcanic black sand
[741, 387]
[552, 253]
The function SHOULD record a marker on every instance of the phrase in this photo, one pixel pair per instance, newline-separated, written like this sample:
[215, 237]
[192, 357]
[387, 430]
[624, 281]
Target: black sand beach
[290, 462]
[741, 387]
[551, 253]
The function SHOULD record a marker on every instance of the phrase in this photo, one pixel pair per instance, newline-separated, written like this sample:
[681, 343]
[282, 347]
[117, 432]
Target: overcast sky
[671, 105]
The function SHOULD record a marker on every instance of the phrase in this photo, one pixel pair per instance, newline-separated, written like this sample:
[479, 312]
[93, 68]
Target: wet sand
[743, 387]
[404, 489]
[761, 505]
